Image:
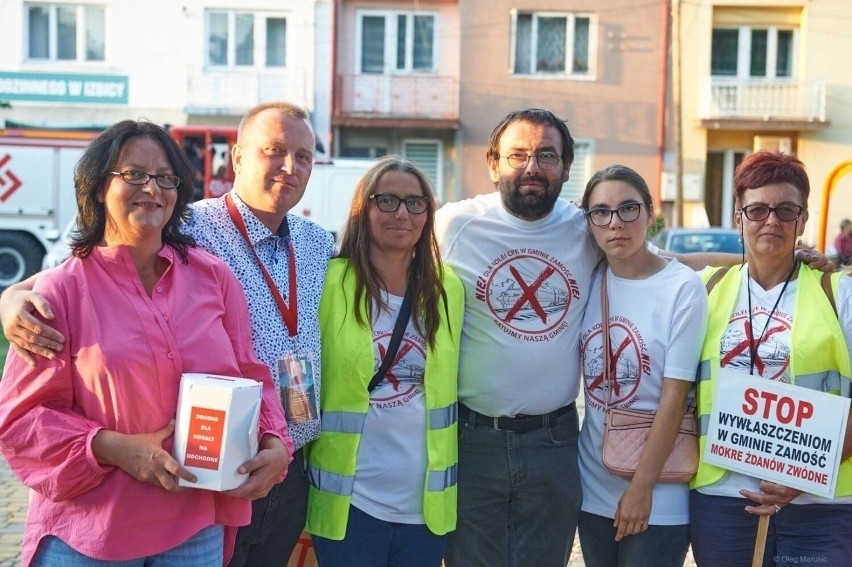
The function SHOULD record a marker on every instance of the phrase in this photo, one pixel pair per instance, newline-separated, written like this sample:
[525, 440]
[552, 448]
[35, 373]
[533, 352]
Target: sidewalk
[13, 511]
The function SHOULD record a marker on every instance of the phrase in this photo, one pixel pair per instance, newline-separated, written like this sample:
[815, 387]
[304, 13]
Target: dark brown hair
[618, 172]
[533, 116]
[93, 172]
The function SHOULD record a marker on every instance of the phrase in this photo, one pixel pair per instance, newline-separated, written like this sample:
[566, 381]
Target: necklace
[753, 346]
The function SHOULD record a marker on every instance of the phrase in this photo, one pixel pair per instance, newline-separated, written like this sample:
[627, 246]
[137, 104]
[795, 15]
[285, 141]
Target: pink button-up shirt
[120, 370]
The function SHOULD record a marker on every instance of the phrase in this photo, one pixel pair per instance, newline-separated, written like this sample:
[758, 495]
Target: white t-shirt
[525, 292]
[773, 356]
[656, 330]
[391, 457]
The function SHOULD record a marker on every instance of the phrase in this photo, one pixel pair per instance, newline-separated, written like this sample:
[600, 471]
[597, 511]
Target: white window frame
[580, 172]
[259, 31]
[744, 50]
[438, 183]
[391, 38]
[571, 17]
[53, 30]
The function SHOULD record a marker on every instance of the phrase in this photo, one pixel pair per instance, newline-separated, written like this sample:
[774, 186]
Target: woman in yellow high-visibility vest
[772, 318]
[383, 472]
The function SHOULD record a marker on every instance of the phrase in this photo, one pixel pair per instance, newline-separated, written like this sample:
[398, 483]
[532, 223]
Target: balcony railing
[235, 90]
[428, 97]
[764, 99]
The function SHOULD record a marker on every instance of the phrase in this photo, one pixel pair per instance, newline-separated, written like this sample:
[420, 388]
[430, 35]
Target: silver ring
[777, 508]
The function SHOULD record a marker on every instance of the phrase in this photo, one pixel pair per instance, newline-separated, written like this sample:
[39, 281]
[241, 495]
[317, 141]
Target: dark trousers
[277, 521]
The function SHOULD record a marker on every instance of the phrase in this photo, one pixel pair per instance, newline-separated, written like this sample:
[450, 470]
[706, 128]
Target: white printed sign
[770, 430]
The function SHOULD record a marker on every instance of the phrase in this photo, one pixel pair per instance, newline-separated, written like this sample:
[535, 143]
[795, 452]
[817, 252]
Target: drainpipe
[661, 122]
[331, 149]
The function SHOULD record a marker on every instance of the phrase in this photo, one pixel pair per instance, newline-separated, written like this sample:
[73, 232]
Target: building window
[548, 43]
[427, 155]
[397, 42]
[65, 32]
[748, 52]
[581, 170]
[246, 39]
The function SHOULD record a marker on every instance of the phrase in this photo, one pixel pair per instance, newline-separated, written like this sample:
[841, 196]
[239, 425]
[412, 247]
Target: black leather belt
[517, 424]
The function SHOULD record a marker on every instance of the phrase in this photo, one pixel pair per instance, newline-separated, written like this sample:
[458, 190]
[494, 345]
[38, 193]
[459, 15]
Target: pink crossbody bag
[626, 431]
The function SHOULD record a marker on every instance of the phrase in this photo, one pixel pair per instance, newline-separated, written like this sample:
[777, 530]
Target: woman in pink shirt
[90, 431]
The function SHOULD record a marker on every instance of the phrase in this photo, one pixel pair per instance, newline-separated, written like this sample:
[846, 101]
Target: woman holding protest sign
[640, 355]
[781, 321]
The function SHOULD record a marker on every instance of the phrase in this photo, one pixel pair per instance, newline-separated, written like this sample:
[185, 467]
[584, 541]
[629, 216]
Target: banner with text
[63, 87]
[770, 430]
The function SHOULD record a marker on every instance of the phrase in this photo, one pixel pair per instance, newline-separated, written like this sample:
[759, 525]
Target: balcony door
[719, 185]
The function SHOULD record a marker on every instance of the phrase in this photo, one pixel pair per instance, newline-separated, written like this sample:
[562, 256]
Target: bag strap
[393, 346]
[826, 287]
[606, 347]
[714, 279]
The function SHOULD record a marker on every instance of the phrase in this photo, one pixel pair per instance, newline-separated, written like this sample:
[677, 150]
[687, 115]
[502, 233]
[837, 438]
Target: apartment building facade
[765, 74]
[601, 66]
[396, 84]
[66, 63]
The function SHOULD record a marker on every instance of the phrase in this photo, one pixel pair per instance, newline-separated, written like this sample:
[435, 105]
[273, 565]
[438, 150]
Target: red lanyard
[290, 314]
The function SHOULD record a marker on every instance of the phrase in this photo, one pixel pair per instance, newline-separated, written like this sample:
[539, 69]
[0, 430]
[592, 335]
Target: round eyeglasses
[389, 203]
[545, 160]
[628, 212]
[136, 177]
[784, 213]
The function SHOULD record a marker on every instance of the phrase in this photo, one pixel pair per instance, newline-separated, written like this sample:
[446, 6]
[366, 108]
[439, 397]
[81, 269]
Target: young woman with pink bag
[642, 356]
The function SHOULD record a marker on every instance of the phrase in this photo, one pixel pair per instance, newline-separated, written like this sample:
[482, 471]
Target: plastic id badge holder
[297, 388]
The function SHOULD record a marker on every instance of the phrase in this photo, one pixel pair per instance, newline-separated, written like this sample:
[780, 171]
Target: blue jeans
[519, 495]
[277, 521]
[723, 533]
[370, 542]
[658, 546]
[204, 549]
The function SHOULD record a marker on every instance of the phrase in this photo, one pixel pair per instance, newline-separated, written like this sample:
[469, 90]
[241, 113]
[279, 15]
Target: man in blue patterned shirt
[272, 163]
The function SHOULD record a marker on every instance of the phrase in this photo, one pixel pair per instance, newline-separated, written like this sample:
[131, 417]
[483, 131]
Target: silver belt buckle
[496, 423]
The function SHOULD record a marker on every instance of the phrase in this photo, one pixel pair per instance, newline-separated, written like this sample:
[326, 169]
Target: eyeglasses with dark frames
[784, 213]
[136, 177]
[628, 212]
[545, 160]
[389, 203]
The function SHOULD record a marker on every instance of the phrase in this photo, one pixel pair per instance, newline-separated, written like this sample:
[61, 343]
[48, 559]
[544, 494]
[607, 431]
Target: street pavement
[13, 510]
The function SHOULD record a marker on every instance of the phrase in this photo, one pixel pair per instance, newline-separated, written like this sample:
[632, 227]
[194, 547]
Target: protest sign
[770, 430]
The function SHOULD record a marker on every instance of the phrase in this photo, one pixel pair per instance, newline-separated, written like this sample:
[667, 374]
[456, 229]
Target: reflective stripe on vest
[331, 482]
[343, 421]
[334, 483]
[442, 480]
[441, 418]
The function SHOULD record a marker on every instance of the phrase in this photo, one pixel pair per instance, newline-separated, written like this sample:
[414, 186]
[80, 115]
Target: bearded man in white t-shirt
[526, 259]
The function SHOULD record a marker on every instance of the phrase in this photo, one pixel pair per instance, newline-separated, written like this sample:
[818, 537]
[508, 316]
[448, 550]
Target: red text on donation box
[216, 428]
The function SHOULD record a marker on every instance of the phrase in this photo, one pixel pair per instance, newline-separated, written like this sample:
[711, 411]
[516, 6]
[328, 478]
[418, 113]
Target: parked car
[713, 239]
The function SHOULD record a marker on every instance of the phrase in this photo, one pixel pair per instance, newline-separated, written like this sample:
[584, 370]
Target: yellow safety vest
[347, 367]
[818, 356]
